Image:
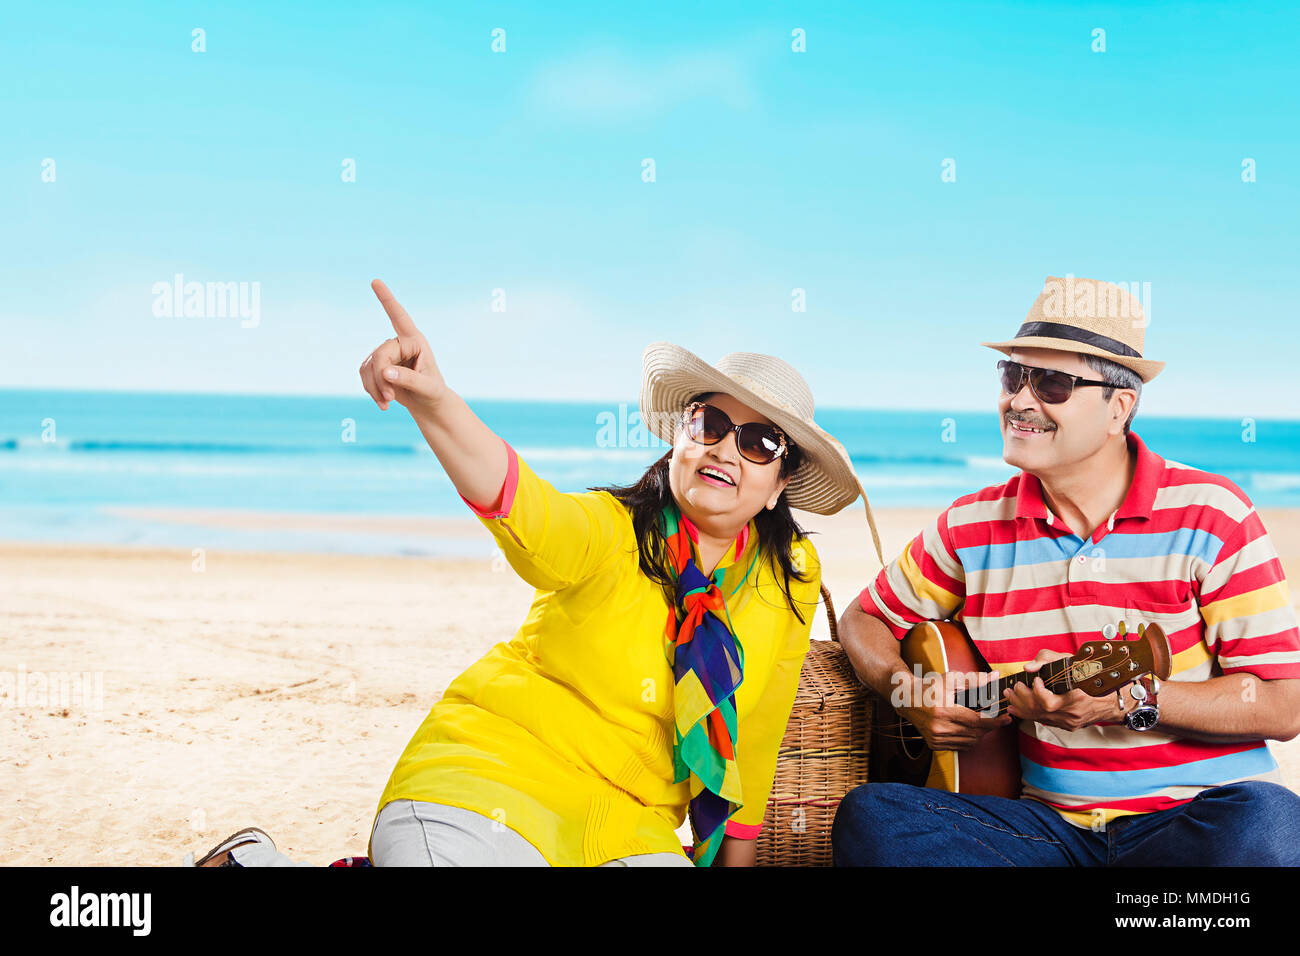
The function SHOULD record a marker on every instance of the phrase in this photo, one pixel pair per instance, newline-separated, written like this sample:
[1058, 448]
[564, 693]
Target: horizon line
[571, 401]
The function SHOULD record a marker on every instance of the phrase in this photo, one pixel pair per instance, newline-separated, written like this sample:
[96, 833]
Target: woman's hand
[403, 368]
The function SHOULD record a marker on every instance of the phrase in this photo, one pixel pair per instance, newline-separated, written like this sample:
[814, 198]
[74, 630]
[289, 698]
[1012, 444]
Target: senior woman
[654, 674]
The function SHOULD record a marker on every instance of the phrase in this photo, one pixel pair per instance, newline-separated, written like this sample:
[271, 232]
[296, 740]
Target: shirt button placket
[1079, 580]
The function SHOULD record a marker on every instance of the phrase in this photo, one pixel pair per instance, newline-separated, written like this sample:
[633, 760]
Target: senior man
[1096, 528]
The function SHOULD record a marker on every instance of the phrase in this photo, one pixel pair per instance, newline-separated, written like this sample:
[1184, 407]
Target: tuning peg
[1108, 632]
[1123, 630]
[1142, 630]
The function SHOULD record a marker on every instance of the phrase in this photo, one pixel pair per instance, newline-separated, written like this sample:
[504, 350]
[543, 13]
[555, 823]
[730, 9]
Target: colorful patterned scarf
[708, 665]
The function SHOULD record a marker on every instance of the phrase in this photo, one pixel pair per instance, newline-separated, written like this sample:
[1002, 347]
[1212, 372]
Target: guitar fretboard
[1055, 674]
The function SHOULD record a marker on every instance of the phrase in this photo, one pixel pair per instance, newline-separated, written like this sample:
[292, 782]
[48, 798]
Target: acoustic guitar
[900, 754]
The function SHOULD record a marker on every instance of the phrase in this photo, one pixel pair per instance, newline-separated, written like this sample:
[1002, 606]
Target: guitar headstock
[1102, 667]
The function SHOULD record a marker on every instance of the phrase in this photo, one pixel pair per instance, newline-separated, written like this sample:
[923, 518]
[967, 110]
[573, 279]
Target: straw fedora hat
[1088, 316]
[825, 482]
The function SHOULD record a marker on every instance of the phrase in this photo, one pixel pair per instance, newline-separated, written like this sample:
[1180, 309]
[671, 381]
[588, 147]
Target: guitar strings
[1061, 680]
[1051, 682]
[1003, 704]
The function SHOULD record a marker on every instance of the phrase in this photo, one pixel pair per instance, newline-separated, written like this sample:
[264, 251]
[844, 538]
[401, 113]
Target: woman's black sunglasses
[759, 443]
[1051, 387]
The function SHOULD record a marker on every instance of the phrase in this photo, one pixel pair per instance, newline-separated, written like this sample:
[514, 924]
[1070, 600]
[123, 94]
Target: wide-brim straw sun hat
[824, 483]
[1088, 316]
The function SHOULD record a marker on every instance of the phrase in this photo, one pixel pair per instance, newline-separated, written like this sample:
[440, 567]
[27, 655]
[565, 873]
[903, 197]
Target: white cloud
[604, 86]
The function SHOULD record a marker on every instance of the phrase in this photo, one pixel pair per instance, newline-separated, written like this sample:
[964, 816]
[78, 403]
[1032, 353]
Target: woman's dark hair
[647, 498]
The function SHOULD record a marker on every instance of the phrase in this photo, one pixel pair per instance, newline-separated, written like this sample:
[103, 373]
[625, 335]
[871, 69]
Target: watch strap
[1146, 711]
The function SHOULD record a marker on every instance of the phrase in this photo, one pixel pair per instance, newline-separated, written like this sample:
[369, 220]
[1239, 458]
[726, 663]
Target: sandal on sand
[246, 835]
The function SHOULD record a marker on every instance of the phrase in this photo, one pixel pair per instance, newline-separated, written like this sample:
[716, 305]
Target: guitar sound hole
[911, 742]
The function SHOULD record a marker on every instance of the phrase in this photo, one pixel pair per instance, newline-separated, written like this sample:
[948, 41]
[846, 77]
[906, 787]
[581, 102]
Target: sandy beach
[275, 690]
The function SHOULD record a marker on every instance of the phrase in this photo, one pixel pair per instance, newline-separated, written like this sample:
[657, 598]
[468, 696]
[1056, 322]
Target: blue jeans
[1252, 823]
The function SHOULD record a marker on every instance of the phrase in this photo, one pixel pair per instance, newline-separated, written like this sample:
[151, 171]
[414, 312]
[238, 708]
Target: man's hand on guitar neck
[1072, 711]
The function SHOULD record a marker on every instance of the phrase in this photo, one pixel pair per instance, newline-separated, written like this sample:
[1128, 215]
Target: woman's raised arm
[403, 369]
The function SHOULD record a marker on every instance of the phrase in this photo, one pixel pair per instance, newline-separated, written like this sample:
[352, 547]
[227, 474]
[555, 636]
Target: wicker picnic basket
[822, 757]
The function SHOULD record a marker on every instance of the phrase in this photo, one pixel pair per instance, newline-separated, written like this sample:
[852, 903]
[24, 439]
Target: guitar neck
[1055, 674]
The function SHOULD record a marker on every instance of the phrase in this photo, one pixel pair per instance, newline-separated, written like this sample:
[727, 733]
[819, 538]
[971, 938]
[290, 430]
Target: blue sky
[522, 171]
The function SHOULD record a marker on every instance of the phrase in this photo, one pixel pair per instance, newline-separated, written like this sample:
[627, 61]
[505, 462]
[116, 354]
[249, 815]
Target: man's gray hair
[1119, 376]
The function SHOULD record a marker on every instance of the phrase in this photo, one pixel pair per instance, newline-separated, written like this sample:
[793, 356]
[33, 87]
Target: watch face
[1144, 718]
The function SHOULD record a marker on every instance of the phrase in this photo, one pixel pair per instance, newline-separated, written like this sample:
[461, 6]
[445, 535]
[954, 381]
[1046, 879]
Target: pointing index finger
[402, 323]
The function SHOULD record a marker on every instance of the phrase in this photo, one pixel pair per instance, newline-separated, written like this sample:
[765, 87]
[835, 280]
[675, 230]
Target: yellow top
[564, 734]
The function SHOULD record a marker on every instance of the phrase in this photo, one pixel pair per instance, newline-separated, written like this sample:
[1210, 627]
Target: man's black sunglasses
[1051, 387]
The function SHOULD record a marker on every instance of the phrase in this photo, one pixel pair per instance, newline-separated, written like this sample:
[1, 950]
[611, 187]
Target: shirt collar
[1138, 501]
[1141, 498]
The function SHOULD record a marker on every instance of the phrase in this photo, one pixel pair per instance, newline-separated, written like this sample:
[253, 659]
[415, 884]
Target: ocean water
[68, 460]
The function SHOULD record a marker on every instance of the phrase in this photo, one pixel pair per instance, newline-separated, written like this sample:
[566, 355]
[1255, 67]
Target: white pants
[416, 833]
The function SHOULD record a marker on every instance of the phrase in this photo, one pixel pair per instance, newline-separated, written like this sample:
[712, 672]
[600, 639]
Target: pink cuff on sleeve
[743, 831]
[508, 490]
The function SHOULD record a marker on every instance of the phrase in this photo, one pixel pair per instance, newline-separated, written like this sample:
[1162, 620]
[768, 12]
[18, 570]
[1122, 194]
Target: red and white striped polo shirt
[1185, 550]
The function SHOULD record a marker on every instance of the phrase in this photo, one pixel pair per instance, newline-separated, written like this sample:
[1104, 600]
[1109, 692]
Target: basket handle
[830, 613]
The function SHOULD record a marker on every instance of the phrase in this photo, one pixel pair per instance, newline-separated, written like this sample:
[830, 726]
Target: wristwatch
[1146, 714]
